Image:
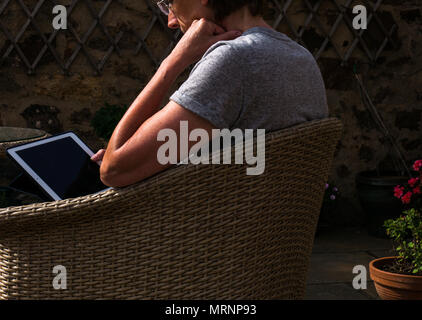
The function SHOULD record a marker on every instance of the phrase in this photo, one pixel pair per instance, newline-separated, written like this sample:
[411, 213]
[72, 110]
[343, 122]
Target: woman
[247, 75]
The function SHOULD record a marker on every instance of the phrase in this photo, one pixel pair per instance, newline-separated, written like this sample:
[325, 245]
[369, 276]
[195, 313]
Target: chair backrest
[190, 232]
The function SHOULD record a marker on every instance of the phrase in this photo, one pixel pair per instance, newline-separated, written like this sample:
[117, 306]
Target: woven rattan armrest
[190, 232]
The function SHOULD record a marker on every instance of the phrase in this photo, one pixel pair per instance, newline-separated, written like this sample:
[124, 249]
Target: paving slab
[336, 267]
[336, 291]
[349, 240]
[371, 291]
[382, 253]
[333, 258]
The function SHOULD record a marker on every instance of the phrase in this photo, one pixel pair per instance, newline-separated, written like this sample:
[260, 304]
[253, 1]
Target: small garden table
[12, 136]
[9, 137]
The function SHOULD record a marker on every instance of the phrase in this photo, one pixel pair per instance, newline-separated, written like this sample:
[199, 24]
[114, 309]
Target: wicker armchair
[190, 232]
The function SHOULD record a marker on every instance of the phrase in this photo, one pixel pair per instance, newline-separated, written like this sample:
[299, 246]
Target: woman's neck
[242, 20]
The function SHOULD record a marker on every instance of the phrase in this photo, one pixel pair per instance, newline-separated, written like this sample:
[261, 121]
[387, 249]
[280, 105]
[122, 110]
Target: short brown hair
[223, 8]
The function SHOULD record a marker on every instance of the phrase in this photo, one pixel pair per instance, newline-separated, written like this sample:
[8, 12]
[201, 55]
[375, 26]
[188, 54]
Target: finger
[212, 27]
[218, 30]
[94, 157]
[99, 155]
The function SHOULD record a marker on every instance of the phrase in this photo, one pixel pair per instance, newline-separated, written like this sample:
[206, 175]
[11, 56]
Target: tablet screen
[65, 167]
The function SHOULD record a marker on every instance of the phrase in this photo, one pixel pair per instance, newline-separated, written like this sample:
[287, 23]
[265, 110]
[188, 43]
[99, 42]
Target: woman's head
[183, 12]
[223, 8]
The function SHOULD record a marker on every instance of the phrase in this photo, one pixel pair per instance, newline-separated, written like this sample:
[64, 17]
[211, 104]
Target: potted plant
[400, 277]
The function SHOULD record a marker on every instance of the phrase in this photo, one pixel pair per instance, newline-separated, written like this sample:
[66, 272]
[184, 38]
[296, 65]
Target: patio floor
[334, 255]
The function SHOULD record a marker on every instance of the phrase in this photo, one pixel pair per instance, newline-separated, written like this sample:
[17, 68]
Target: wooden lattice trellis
[342, 16]
[280, 17]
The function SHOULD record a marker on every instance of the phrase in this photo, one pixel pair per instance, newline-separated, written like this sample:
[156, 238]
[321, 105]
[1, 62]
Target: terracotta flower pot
[394, 286]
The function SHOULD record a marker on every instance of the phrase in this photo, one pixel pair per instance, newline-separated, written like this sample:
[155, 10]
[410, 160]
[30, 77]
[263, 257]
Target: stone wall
[55, 102]
[394, 85]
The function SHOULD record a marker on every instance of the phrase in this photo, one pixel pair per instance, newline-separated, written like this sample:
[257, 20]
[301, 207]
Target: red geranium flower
[417, 165]
[413, 181]
[406, 198]
[398, 191]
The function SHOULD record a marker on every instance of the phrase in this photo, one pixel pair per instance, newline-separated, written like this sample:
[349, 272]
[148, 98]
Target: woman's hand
[201, 35]
[98, 156]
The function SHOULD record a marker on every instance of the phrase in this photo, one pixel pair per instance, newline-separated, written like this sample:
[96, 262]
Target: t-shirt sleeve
[214, 89]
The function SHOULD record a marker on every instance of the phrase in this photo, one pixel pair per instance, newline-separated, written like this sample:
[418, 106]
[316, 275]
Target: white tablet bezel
[12, 152]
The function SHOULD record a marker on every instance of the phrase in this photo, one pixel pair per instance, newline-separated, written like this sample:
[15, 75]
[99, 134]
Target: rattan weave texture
[190, 232]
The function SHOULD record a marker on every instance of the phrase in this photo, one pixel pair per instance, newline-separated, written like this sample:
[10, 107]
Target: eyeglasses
[165, 6]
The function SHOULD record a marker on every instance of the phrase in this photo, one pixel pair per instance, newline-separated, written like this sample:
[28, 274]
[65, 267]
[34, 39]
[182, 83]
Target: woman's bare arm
[131, 153]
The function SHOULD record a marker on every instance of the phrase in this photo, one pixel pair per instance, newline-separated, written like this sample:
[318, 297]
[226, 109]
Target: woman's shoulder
[224, 52]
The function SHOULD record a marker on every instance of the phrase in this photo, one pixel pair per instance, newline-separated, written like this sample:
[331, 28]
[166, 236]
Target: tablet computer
[61, 165]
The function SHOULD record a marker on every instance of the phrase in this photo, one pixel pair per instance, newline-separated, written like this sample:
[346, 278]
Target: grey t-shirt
[260, 80]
